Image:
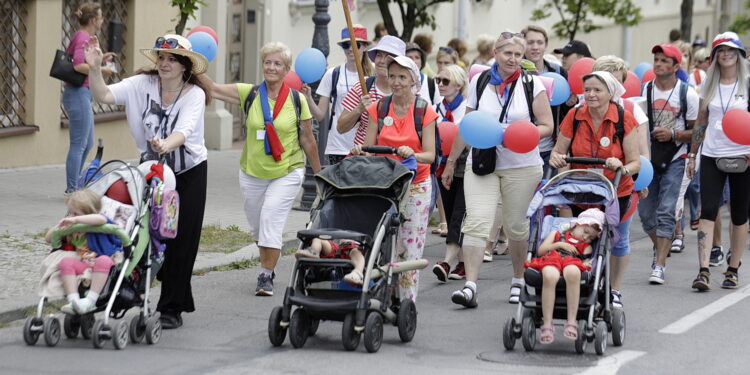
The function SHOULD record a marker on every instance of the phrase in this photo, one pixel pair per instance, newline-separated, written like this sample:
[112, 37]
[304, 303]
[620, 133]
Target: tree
[741, 24]
[686, 19]
[413, 14]
[187, 10]
[575, 14]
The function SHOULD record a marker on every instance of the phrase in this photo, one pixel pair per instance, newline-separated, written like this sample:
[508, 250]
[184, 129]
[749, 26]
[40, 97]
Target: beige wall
[146, 20]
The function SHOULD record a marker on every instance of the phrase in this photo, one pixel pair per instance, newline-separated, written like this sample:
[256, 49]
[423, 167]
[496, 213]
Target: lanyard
[729, 101]
[657, 121]
[593, 140]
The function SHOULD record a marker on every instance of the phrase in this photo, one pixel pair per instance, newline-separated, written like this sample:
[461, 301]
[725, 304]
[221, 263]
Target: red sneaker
[458, 273]
[441, 271]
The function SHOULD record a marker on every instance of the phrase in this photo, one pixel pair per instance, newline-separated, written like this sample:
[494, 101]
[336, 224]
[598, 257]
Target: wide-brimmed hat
[727, 39]
[389, 44]
[360, 34]
[409, 64]
[177, 45]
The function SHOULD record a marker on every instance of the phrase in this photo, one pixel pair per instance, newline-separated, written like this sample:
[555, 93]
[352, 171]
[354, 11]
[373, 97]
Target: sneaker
[677, 246]
[487, 257]
[657, 275]
[717, 256]
[170, 320]
[265, 285]
[515, 293]
[83, 306]
[441, 270]
[68, 309]
[458, 273]
[500, 248]
[702, 282]
[466, 297]
[731, 280]
[616, 298]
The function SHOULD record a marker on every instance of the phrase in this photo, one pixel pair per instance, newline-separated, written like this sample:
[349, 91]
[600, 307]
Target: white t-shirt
[147, 119]
[424, 90]
[638, 113]
[338, 144]
[693, 82]
[458, 113]
[667, 114]
[716, 144]
[518, 109]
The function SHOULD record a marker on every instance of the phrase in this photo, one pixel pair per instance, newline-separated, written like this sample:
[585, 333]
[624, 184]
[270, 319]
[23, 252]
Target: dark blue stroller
[596, 316]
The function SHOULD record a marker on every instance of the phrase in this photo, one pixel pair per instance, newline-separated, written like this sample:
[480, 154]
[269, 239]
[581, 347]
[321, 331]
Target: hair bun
[78, 13]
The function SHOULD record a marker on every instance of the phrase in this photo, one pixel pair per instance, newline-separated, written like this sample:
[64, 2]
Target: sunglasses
[447, 50]
[442, 81]
[508, 35]
[169, 43]
[347, 45]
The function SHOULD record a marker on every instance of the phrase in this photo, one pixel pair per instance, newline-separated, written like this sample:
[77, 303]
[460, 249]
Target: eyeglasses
[447, 50]
[508, 35]
[442, 81]
[347, 45]
[170, 43]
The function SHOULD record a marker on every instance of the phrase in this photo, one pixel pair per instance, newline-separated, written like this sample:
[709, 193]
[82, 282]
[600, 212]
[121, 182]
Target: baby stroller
[596, 316]
[358, 199]
[128, 283]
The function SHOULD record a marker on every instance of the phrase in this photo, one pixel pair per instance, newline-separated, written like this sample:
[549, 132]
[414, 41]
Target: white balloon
[169, 179]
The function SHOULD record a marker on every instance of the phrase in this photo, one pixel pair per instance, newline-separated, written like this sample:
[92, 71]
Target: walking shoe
[441, 271]
[458, 273]
[487, 257]
[515, 293]
[68, 309]
[467, 297]
[702, 282]
[717, 256]
[616, 298]
[83, 306]
[657, 275]
[170, 320]
[731, 280]
[265, 285]
[677, 246]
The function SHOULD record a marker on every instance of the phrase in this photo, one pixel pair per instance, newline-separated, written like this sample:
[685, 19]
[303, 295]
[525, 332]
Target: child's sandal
[571, 330]
[354, 278]
[548, 334]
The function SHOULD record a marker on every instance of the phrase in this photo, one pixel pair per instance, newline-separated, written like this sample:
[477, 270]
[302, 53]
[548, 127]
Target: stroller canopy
[368, 175]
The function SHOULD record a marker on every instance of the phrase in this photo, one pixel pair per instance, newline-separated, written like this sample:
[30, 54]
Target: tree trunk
[181, 24]
[409, 21]
[385, 12]
[686, 19]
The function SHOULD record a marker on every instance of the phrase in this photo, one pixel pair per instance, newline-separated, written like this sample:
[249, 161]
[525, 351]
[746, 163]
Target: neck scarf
[450, 107]
[498, 81]
[271, 142]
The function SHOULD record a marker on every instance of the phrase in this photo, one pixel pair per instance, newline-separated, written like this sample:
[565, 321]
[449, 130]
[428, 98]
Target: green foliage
[187, 10]
[576, 15]
[741, 24]
[228, 240]
[414, 13]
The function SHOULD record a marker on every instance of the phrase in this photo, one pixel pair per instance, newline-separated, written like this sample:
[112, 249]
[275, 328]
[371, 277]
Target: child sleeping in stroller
[95, 250]
[567, 253]
[344, 249]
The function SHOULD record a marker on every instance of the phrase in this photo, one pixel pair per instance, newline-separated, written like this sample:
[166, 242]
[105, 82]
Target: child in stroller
[343, 249]
[96, 251]
[564, 253]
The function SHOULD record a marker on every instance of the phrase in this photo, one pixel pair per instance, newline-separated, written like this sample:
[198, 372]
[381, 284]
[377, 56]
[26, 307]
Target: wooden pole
[355, 48]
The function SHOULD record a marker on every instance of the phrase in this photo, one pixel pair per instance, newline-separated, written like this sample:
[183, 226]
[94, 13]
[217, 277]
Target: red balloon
[119, 192]
[736, 125]
[648, 76]
[632, 86]
[293, 81]
[448, 132]
[521, 137]
[205, 29]
[575, 75]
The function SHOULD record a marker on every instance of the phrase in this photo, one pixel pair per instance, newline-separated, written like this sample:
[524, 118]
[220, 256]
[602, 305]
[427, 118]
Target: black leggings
[455, 209]
[712, 186]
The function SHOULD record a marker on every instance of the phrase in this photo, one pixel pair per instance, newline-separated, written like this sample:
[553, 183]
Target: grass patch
[50, 307]
[236, 265]
[226, 240]
[290, 251]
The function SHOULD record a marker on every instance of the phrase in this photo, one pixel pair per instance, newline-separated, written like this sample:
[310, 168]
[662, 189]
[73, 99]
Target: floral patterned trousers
[412, 234]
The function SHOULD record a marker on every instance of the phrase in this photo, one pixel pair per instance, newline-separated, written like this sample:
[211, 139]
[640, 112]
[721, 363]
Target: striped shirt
[351, 102]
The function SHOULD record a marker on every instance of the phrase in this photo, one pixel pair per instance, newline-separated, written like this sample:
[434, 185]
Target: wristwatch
[691, 155]
[627, 171]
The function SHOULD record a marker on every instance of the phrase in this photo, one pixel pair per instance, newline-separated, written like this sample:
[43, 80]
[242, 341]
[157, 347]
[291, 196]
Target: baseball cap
[574, 46]
[668, 50]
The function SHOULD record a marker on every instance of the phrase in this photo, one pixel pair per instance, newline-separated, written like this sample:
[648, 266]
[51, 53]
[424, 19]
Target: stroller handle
[584, 160]
[379, 149]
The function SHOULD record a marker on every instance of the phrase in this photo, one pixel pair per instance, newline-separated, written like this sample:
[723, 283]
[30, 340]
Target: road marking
[698, 316]
[611, 364]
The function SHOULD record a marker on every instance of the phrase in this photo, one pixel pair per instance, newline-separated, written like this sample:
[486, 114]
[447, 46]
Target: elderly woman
[399, 131]
[165, 108]
[514, 177]
[724, 90]
[272, 165]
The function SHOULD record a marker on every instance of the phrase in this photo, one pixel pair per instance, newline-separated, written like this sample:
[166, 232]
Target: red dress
[555, 259]
[341, 250]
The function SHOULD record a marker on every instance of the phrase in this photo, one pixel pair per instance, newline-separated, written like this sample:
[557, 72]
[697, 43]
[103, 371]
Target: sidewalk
[32, 201]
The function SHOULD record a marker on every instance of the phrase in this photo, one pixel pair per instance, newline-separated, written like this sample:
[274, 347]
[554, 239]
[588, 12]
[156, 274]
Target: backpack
[165, 210]
[528, 88]
[431, 88]
[619, 128]
[250, 98]
[420, 109]
[334, 92]
[697, 76]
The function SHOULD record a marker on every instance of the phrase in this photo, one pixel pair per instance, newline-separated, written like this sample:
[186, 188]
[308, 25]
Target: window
[12, 62]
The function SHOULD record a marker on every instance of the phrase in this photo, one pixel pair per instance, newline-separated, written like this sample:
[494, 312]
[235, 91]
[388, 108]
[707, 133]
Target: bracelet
[451, 160]
[673, 135]
[691, 155]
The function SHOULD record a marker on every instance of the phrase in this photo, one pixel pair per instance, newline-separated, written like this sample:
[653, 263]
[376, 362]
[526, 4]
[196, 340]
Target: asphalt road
[228, 333]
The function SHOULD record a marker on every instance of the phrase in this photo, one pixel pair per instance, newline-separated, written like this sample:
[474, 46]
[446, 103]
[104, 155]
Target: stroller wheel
[153, 330]
[509, 337]
[71, 326]
[137, 329]
[349, 337]
[120, 335]
[87, 325]
[276, 333]
[581, 340]
[600, 337]
[618, 326]
[51, 331]
[373, 332]
[98, 333]
[407, 320]
[299, 328]
[528, 333]
[32, 328]
[314, 323]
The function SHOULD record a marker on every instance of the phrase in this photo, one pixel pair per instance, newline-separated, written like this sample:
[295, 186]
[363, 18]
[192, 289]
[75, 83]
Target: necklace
[729, 101]
[161, 113]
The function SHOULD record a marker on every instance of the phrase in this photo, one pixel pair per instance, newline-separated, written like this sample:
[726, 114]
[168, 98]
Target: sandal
[548, 334]
[677, 246]
[355, 277]
[571, 330]
[442, 227]
[694, 224]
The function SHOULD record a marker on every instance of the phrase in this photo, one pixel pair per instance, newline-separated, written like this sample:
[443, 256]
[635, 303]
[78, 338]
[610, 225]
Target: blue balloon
[561, 89]
[645, 175]
[682, 75]
[641, 69]
[204, 44]
[310, 65]
[481, 130]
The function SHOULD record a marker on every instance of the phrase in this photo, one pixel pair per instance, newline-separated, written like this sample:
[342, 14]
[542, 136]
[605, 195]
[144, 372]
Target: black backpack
[250, 98]
[662, 153]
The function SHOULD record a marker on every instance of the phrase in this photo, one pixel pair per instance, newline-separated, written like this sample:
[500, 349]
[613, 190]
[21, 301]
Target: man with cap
[572, 52]
[429, 89]
[672, 107]
[355, 103]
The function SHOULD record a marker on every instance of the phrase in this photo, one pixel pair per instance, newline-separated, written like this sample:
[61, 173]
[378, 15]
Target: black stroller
[596, 316]
[358, 199]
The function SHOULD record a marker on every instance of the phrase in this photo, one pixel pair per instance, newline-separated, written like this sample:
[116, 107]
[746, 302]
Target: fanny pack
[483, 161]
[732, 164]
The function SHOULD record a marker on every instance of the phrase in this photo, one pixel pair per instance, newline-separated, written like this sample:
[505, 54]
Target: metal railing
[13, 15]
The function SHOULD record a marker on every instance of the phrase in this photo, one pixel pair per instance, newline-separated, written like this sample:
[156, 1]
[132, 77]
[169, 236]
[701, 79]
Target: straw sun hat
[177, 45]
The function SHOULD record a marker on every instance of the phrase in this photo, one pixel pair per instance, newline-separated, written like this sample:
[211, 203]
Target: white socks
[472, 288]
[72, 297]
[92, 296]
[517, 281]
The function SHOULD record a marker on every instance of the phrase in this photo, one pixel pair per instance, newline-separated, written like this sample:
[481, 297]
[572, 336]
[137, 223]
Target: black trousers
[712, 186]
[179, 257]
[454, 203]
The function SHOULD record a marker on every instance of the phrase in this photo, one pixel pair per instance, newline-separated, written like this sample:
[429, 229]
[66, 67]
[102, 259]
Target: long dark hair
[187, 75]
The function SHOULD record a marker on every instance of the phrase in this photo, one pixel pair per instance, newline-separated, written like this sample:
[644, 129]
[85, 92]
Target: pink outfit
[75, 48]
[73, 266]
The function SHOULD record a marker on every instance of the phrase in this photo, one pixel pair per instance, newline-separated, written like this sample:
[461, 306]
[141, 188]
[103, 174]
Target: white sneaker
[487, 257]
[84, 306]
[68, 309]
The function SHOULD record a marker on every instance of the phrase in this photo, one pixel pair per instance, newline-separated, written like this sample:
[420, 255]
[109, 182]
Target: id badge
[597, 170]
[260, 135]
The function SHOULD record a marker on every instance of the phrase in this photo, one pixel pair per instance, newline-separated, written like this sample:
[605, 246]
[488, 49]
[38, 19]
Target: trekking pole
[355, 48]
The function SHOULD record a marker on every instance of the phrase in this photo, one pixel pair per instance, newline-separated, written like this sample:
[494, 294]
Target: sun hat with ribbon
[177, 45]
[729, 39]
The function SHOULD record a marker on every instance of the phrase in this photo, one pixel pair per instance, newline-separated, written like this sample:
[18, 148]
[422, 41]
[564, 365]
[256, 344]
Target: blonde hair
[711, 84]
[686, 49]
[485, 42]
[701, 54]
[87, 12]
[442, 52]
[457, 74]
[612, 64]
[85, 200]
[501, 42]
[277, 47]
